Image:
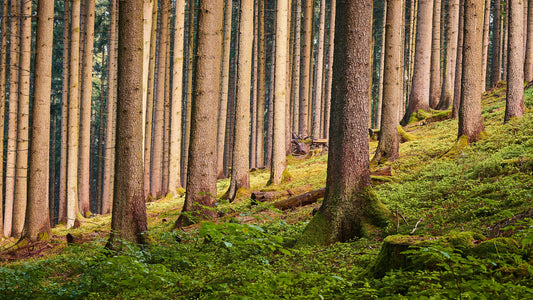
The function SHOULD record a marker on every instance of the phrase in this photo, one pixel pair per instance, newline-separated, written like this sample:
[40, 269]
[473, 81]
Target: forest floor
[472, 210]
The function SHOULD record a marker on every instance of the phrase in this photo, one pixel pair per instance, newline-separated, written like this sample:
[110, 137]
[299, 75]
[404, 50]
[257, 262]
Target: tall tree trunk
[37, 222]
[128, 221]
[341, 216]
[305, 68]
[255, 89]
[21, 177]
[496, 50]
[389, 139]
[435, 82]
[174, 179]
[159, 110]
[150, 103]
[486, 40]
[84, 180]
[223, 109]
[470, 121]
[109, 165]
[202, 160]
[515, 61]
[329, 83]
[316, 132]
[261, 92]
[166, 120]
[377, 119]
[297, 64]
[62, 210]
[279, 163]
[240, 177]
[190, 74]
[505, 44]
[419, 96]
[528, 72]
[3, 71]
[148, 20]
[452, 35]
[459, 64]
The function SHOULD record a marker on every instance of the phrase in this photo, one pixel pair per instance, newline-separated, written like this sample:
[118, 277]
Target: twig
[416, 225]
[407, 223]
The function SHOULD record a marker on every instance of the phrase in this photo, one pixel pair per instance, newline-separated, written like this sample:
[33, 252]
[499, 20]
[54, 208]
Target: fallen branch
[269, 196]
[416, 226]
[301, 200]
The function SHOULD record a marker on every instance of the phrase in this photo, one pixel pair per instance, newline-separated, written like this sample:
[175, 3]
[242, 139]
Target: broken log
[269, 196]
[301, 200]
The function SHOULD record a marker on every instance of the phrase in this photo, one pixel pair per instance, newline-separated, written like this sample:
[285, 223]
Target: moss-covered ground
[477, 198]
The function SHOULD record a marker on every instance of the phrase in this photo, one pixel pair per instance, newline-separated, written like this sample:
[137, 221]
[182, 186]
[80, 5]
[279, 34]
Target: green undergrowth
[483, 190]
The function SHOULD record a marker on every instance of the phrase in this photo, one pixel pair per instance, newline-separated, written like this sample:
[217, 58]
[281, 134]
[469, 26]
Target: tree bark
[190, 74]
[459, 64]
[37, 222]
[486, 37]
[470, 121]
[202, 160]
[300, 200]
[148, 20]
[128, 221]
[316, 132]
[435, 82]
[3, 71]
[419, 96]
[389, 139]
[496, 50]
[341, 216]
[240, 177]
[327, 106]
[305, 68]
[452, 35]
[528, 73]
[515, 106]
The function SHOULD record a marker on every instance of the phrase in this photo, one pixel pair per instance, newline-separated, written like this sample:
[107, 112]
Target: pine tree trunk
[223, 109]
[85, 112]
[296, 68]
[23, 120]
[190, 74]
[202, 160]
[261, 92]
[419, 96]
[486, 37]
[459, 64]
[389, 139]
[435, 83]
[305, 68]
[166, 120]
[3, 71]
[148, 7]
[174, 179]
[329, 83]
[452, 36]
[341, 216]
[255, 89]
[316, 132]
[128, 221]
[470, 121]
[377, 120]
[515, 61]
[528, 73]
[240, 177]
[496, 50]
[109, 164]
[37, 222]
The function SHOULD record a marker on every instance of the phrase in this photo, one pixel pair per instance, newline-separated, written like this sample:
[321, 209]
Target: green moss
[285, 176]
[460, 144]
[180, 192]
[406, 137]
[375, 212]
[316, 232]
[496, 247]
[463, 240]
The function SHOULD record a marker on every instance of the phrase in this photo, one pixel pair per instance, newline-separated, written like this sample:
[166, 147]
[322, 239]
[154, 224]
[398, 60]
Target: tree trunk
[528, 73]
[109, 164]
[159, 110]
[240, 177]
[253, 104]
[305, 68]
[85, 112]
[470, 121]
[496, 37]
[329, 83]
[128, 221]
[190, 74]
[148, 20]
[300, 200]
[377, 119]
[166, 120]
[174, 179]
[419, 96]
[202, 160]
[452, 35]
[37, 223]
[3, 71]
[23, 119]
[486, 37]
[341, 216]
[435, 82]
[296, 66]
[316, 132]
[389, 139]
[515, 61]
[459, 64]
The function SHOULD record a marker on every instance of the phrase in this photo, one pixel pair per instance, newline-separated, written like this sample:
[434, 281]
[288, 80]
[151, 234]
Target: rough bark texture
[128, 221]
[452, 35]
[496, 50]
[73, 117]
[109, 153]
[349, 205]
[174, 176]
[223, 109]
[191, 61]
[419, 96]
[240, 177]
[37, 223]
[470, 121]
[84, 170]
[300, 200]
[458, 64]
[159, 110]
[279, 162]
[305, 68]
[202, 160]
[148, 20]
[317, 99]
[295, 88]
[23, 120]
[528, 72]
[515, 61]
[435, 85]
[486, 36]
[3, 71]
[329, 83]
[260, 160]
[389, 140]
